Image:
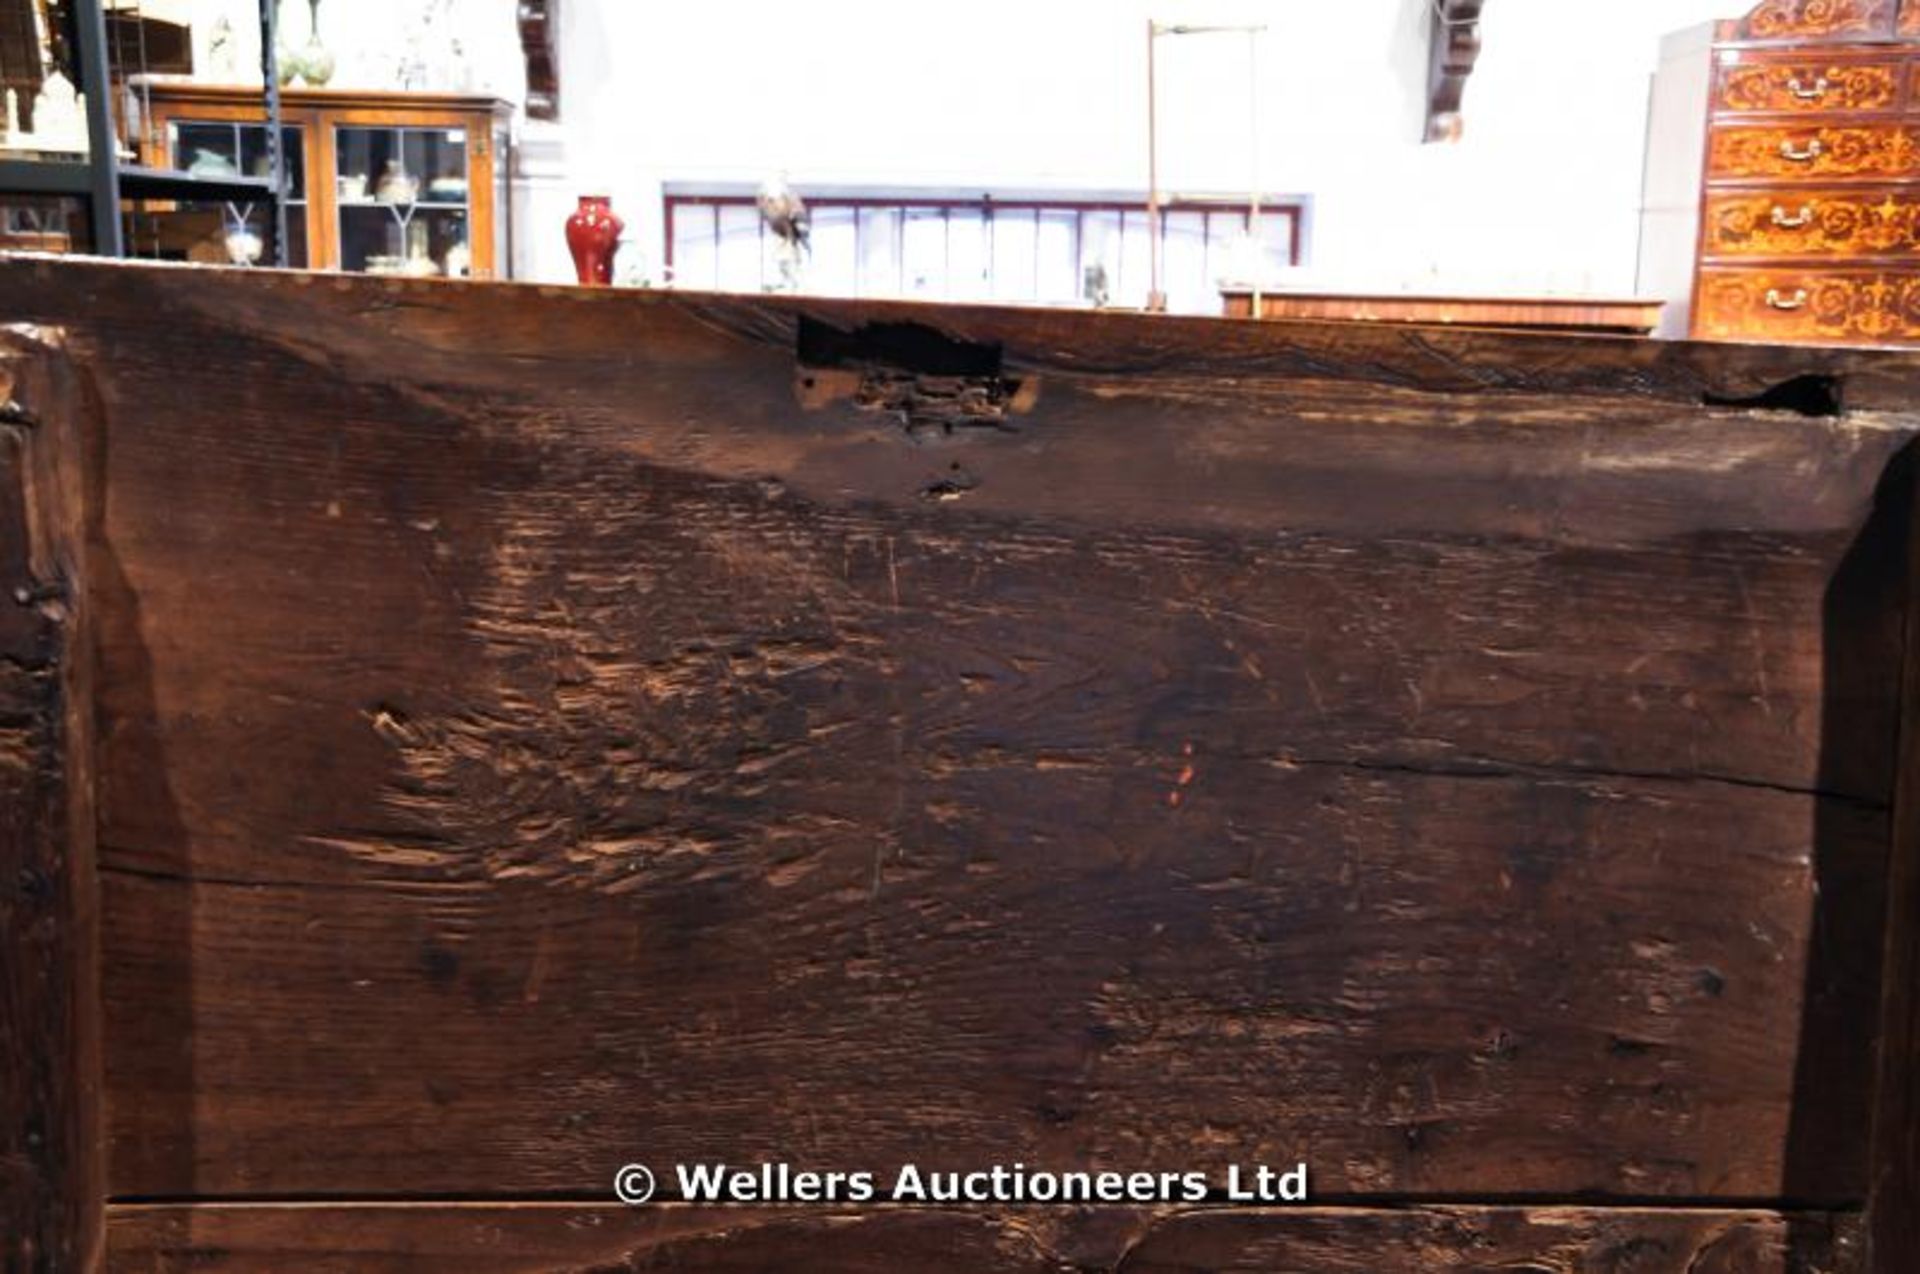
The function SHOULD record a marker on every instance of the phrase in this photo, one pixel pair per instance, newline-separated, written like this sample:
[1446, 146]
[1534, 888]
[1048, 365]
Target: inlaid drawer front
[1789, 222]
[1801, 19]
[1790, 151]
[1852, 307]
[1806, 87]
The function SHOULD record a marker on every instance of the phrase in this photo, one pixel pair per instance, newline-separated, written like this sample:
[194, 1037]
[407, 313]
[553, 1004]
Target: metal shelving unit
[102, 181]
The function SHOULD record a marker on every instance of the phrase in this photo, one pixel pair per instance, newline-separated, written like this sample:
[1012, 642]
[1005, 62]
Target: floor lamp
[1156, 295]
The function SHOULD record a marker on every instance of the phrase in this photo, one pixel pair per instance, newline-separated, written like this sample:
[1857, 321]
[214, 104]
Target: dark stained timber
[51, 1171]
[541, 730]
[522, 1239]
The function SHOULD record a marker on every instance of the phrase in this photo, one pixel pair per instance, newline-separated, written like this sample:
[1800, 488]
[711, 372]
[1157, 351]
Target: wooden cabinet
[1783, 176]
[1793, 20]
[380, 183]
[1796, 85]
[461, 738]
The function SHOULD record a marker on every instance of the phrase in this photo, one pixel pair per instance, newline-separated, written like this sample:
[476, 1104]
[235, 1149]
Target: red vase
[593, 235]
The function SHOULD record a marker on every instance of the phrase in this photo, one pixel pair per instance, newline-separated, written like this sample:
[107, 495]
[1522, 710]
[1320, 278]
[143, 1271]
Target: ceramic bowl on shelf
[353, 186]
[395, 186]
[209, 163]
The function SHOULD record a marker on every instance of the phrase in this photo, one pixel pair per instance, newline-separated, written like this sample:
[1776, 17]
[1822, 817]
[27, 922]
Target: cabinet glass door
[404, 200]
[43, 223]
[242, 232]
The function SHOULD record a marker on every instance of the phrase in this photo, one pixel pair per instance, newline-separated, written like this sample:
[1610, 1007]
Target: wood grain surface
[1590, 315]
[51, 1167]
[521, 1239]
[1895, 1188]
[541, 730]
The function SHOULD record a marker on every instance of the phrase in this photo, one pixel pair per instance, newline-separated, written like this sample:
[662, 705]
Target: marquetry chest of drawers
[1783, 176]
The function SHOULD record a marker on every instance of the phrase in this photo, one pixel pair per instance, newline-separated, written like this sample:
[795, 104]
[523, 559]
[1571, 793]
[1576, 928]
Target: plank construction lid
[459, 740]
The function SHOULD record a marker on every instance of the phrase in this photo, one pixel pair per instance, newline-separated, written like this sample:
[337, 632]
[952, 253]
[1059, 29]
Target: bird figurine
[785, 214]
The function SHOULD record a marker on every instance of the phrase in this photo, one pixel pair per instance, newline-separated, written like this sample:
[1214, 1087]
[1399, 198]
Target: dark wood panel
[1418, 983]
[669, 596]
[1460, 760]
[1895, 1189]
[482, 341]
[522, 1239]
[1557, 1239]
[395, 508]
[51, 1170]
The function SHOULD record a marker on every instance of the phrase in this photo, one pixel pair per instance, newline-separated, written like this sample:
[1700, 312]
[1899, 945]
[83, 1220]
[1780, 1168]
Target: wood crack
[1477, 768]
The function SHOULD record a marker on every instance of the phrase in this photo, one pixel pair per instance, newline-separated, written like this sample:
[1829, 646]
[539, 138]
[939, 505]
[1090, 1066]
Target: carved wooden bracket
[1455, 46]
[539, 44]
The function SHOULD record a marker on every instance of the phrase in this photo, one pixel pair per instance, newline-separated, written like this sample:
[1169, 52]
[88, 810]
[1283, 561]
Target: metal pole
[1253, 133]
[276, 162]
[1156, 299]
[103, 148]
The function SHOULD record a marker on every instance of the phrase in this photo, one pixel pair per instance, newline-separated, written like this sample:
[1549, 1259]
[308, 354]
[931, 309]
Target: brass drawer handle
[1802, 154]
[1794, 302]
[1793, 220]
[1808, 93]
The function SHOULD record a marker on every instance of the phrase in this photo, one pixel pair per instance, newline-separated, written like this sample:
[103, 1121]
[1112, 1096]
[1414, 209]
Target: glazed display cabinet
[379, 183]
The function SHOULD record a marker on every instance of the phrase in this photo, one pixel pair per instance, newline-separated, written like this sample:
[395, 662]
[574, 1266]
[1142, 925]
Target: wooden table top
[1559, 313]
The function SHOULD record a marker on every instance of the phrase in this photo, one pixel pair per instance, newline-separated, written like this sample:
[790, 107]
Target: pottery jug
[316, 60]
[593, 236]
[244, 246]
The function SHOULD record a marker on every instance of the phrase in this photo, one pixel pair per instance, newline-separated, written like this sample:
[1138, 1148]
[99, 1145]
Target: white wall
[1541, 195]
